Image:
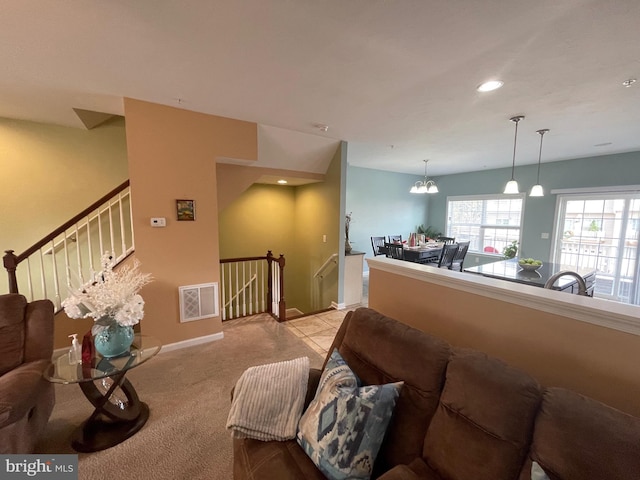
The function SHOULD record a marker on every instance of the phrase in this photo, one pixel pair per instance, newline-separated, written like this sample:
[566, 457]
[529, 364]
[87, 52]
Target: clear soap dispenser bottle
[75, 352]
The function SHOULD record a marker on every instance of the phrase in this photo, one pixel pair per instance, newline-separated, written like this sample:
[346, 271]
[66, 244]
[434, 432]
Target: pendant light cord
[515, 140]
[541, 132]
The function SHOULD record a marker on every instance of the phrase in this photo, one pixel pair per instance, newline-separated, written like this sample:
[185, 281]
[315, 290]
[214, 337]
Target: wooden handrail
[11, 260]
[70, 223]
[243, 259]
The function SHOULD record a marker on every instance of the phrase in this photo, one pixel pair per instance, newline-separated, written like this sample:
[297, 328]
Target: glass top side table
[118, 412]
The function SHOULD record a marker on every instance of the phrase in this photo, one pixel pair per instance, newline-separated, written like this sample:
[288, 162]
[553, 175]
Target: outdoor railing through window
[252, 285]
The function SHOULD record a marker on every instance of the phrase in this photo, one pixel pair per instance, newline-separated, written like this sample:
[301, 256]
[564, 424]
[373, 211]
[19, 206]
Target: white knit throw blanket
[268, 400]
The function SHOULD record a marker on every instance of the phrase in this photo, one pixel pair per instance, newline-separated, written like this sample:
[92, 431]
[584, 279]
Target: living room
[169, 149]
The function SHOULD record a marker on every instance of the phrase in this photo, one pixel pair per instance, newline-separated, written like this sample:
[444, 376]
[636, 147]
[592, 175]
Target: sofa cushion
[382, 350]
[344, 426]
[483, 426]
[416, 470]
[577, 437]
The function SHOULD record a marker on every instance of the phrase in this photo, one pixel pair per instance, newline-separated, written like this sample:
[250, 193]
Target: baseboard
[165, 348]
[192, 342]
[293, 312]
[343, 306]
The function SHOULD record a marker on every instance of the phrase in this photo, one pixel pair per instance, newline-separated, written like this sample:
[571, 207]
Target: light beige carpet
[188, 393]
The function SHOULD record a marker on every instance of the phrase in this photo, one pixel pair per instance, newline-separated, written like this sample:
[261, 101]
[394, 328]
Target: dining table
[426, 253]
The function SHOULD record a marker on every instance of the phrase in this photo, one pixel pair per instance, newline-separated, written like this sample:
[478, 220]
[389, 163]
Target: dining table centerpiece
[111, 298]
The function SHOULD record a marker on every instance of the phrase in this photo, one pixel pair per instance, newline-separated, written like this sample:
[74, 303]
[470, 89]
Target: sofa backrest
[26, 331]
[382, 350]
[12, 331]
[483, 426]
[577, 437]
[38, 342]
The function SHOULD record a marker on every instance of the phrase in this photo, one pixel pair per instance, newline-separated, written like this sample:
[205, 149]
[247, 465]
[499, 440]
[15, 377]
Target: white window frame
[596, 193]
[484, 197]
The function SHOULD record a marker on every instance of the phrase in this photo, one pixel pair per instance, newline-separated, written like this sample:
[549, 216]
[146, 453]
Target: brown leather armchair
[26, 397]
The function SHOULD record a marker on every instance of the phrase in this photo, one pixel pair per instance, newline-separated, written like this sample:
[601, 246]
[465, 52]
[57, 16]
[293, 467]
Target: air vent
[198, 301]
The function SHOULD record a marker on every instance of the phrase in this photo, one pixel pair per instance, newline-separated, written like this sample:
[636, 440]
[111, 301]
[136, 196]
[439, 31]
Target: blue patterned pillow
[344, 426]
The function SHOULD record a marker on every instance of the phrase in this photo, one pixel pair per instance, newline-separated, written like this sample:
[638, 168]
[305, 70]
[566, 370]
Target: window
[601, 231]
[488, 222]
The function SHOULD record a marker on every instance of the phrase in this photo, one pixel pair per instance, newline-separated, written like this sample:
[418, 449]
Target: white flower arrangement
[110, 294]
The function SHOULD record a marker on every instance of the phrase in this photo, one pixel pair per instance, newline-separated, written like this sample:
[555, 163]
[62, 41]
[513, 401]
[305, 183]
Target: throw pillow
[344, 426]
[537, 473]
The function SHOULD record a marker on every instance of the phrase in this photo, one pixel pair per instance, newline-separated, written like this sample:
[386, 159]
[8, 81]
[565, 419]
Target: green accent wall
[261, 219]
[290, 221]
[50, 173]
[381, 205]
[318, 213]
[539, 212]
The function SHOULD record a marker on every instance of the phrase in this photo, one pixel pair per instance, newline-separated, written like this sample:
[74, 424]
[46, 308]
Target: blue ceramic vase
[113, 339]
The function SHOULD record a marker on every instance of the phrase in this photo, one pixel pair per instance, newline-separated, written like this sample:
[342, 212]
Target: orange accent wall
[596, 361]
[172, 155]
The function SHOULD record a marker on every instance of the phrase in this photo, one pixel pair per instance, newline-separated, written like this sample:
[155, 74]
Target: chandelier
[426, 186]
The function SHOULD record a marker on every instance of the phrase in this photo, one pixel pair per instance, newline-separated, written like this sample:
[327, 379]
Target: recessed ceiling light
[628, 83]
[282, 182]
[490, 85]
[322, 127]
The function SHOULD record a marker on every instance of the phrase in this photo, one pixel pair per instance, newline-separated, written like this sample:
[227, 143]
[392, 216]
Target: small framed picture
[186, 210]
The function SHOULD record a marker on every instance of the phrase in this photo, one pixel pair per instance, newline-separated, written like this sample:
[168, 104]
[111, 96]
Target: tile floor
[318, 330]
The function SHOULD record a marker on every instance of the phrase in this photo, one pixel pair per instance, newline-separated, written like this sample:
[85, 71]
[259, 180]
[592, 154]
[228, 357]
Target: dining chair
[448, 254]
[376, 243]
[395, 250]
[458, 260]
[395, 238]
[447, 240]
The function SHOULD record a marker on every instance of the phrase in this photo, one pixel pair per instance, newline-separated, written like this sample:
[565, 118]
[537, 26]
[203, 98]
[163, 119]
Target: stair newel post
[282, 306]
[270, 282]
[11, 263]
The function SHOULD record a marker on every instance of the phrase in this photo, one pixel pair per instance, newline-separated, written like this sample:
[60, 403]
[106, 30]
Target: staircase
[67, 257]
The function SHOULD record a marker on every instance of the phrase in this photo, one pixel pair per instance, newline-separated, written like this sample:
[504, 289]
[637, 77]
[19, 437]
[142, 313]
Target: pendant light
[537, 190]
[426, 186]
[512, 185]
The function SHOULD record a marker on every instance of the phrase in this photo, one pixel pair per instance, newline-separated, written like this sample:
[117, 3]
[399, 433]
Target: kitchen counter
[509, 270]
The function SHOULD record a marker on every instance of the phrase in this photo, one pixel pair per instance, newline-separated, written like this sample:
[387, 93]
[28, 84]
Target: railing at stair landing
[72, 251]
[244, 282]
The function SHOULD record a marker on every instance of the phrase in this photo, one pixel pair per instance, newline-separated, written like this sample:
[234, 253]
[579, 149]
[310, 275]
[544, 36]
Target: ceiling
[395, 78]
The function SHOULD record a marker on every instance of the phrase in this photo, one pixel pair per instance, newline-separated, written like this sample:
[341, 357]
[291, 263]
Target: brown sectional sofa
[461, 415]
[26, 398]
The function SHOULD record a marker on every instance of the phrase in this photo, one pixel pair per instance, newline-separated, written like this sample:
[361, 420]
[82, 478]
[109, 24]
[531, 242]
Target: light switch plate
[158, 222]
[544, 236]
